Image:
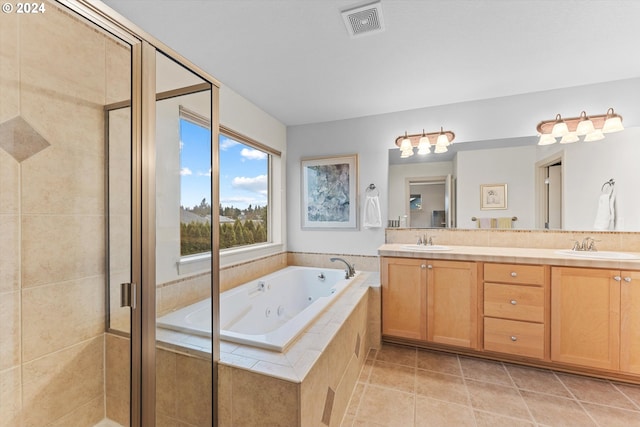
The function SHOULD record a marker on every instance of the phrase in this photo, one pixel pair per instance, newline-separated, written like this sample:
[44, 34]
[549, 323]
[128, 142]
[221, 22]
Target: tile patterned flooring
[407, 387]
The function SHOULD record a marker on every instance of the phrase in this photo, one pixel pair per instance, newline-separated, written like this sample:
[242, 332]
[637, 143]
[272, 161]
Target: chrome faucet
[588, 244]
[350, 270]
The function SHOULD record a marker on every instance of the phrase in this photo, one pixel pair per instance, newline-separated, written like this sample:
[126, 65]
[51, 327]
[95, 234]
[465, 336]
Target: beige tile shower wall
[52, 216]
[611, 241]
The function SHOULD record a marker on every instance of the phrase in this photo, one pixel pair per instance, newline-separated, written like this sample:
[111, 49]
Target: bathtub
[268, 312]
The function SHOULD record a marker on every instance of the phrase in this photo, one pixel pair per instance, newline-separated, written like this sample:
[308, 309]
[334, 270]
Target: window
[244, 191]
[195, 184]
[245, 168]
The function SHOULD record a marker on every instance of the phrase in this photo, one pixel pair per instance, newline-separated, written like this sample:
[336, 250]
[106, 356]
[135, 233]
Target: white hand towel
[605, 209]
[371, 212]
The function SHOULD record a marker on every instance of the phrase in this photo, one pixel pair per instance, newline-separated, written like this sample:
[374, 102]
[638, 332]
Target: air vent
[362, 20]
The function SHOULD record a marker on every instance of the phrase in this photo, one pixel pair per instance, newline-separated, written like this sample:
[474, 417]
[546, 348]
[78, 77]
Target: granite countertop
[509, 255]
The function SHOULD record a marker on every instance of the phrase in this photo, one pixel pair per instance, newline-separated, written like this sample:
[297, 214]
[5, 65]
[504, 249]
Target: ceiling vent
[365, 19]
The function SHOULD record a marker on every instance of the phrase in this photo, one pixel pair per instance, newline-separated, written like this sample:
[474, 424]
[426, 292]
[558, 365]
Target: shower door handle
[128, 295]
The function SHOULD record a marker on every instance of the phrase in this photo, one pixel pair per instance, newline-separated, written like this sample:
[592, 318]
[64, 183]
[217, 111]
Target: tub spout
[350, 271]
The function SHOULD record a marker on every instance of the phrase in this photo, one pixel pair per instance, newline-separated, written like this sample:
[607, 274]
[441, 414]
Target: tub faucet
[351, 269]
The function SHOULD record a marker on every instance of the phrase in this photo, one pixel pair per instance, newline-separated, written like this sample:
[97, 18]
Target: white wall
[371, 137]
[511, 166]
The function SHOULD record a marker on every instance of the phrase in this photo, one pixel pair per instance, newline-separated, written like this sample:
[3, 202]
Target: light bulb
[596, 135]
[560, 128]
[424, 146]
[405, 144]
[569, 138]
[440, 149]
[612, 124]
[547, 139]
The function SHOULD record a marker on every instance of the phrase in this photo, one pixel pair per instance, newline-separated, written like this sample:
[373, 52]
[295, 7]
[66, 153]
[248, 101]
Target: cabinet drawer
[514, 273]
[514, 337]
[514, 302]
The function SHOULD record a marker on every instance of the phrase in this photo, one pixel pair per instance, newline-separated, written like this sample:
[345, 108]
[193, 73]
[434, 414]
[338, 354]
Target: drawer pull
[514, 274]
[513, 302]
[514, 338]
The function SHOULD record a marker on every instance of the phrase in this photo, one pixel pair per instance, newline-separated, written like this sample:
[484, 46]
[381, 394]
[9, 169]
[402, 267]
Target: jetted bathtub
[268, 312]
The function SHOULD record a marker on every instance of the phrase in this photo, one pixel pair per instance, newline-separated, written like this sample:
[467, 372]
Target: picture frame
[329, 192]
[493, 196]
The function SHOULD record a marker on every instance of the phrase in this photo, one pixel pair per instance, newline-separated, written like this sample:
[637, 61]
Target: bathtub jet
[269, 312]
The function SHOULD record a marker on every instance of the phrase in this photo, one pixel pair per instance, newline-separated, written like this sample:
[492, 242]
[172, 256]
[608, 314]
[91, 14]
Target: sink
[427, 247]
[597, 254]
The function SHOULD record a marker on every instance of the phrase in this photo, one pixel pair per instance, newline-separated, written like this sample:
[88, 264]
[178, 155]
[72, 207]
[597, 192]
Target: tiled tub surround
[308, 384]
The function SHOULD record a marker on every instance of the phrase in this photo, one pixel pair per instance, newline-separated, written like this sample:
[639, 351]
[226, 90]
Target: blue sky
[243, 170]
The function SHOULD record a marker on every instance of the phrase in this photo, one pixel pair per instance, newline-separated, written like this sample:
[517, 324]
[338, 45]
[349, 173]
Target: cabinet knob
[514, 338]
[514, 274]
[617, 278]
[513, 302]
[627, 279]
[423, 266]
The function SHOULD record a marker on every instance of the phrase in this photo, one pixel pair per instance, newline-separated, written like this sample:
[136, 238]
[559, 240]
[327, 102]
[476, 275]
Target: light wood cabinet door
[630, 322]
[452, 295]
[585, 317]
[404, 298]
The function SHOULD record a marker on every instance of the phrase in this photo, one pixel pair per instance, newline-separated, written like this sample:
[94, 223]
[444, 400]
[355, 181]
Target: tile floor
[405, 387]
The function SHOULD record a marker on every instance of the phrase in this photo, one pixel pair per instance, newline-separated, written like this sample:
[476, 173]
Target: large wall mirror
[553, 187]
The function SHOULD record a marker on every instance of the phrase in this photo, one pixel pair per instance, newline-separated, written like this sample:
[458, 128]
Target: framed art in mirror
[493, 196]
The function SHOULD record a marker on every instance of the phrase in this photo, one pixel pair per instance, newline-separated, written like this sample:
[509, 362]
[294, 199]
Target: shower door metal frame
[143, 233]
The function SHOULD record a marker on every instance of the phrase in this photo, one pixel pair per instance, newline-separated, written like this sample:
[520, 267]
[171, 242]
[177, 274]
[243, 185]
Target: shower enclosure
[89, 222]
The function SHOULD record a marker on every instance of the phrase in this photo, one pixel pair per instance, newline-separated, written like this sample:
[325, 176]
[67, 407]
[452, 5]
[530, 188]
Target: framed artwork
[329, 192]
[493, 196]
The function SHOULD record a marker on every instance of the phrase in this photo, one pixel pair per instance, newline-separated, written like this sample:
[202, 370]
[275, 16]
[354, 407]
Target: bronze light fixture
[569, 130]
[423, 142]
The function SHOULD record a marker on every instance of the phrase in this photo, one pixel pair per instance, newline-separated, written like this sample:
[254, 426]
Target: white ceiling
[295, 59]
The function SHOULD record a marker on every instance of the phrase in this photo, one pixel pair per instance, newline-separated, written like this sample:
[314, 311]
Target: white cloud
[227, 143]
[205, 173]
[257, 184]
[185, 171]
[242, 201]
[252, 154]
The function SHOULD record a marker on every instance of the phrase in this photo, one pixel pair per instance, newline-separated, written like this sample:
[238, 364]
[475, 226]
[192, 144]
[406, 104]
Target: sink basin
[597, 254]
[427, 247]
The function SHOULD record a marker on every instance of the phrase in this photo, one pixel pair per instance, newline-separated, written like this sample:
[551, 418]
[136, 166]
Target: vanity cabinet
[430, 300]
[452, 303]
[514, 306]
[404, 298]
[594, 318]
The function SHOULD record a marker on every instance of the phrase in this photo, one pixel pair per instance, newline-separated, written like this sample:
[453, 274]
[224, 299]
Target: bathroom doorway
[549, 198]
[430, 202]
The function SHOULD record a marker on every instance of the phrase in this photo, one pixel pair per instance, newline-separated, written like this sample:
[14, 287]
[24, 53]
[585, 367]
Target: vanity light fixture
[423, 141]
[569, 130]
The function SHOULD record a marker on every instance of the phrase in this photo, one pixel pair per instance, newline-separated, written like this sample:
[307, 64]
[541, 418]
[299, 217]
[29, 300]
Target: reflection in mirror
[572, 198]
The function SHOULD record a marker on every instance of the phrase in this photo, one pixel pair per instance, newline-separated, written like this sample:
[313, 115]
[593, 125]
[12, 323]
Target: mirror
[555, 186]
